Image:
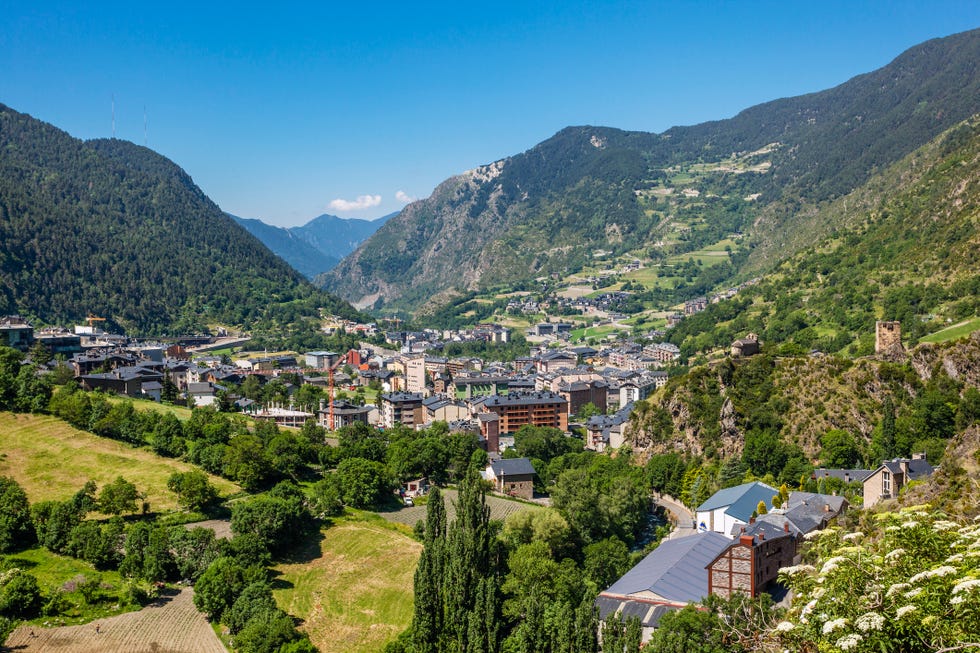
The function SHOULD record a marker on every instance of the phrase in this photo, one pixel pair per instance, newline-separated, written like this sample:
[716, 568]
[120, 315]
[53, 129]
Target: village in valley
[736, 542]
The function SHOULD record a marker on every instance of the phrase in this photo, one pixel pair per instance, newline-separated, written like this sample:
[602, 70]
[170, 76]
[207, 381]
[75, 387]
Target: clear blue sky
[278, 109]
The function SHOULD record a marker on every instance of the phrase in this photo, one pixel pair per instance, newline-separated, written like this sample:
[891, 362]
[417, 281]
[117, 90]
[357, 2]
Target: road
[681, 518]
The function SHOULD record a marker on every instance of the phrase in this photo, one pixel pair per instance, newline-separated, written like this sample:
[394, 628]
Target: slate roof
[918, 467]
[512, 467]
[846, 475]
[743, 499]
[675, 570]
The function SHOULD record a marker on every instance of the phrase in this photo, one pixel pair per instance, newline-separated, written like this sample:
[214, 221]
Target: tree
[245, 461]
[605, 561]
[365, 482]
[20, 595]
[118, 497]
[325, 498]
[840, 449]
[193, 489]
[277, 520]
[220, 585]
[427, 618]
[16, 529]
[690, 630]
[254, 599]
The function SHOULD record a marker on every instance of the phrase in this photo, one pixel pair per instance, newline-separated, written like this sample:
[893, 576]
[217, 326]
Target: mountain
[763, 173]
[115, 229]
[317, 246]
[904, 246]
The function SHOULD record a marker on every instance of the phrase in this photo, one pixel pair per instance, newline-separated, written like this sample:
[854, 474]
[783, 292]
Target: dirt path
[169, 625]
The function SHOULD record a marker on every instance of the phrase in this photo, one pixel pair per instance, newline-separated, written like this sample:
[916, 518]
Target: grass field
[183, 413]
[500, 508]
[960, 330]
[354, 589]
[52, 460]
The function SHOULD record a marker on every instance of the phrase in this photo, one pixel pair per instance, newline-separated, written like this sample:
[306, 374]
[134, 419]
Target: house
[489, 431]
[416, 488]
[536, 408]
[886, 481]
[16, 332]
[511, 476]
[668, 578]
[127, 381]
[202, 393]
[321, 360]
[284, 416]
[751, 563]
[344, 414]
[747, 346]
[467, 387]
[606, 431]
[733, 506]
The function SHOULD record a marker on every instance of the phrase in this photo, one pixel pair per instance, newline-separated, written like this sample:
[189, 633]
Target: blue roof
[675, 570]
[512, 467]
[739, 497]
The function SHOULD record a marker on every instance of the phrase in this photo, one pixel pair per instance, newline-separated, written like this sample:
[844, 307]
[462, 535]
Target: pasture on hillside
[354, 589]
[52, 460]
[171, 623]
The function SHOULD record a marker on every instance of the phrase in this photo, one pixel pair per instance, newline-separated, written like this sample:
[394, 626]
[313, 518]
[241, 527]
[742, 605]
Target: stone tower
[888, 337]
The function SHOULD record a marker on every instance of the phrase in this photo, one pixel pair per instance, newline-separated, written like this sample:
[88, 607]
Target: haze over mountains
[764, 173]
[318, 245]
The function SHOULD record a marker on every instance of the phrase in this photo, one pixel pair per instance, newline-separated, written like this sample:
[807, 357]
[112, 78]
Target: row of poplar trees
[458, 582]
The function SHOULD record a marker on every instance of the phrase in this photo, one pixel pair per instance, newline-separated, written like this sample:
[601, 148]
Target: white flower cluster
[938, 572]
[784, 626]
[894, 554]
[849, 642]
[896, 588]
[857, 535]
[870, 621]
[944, 525]
[966, 585]
[904, 610]
[909, 525]
[797, 569]
[831, 564]
[833, 625]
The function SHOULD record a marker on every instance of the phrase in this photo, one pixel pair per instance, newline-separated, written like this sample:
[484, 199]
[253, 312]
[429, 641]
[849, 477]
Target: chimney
[786, 527]
[751, 520]
[826, 507]
[746, 540]
[762, 535]
[905, 467]
[847, 477]
[919, 456]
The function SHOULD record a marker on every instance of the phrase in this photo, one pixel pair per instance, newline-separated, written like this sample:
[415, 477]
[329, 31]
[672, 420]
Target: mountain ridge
[315, 247]
[585, 186]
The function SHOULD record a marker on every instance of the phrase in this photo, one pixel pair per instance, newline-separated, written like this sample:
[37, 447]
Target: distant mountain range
[112, 228]
[764, 173]
[317, 246]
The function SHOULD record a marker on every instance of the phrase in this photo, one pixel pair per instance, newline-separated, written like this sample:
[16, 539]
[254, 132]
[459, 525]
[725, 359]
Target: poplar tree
[427, 621]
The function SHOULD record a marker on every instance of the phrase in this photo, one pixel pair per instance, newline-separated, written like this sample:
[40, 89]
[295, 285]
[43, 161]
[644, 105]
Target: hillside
[771, 414]
[761, 173]
[905, 246]
[112, 228]
[317, 246]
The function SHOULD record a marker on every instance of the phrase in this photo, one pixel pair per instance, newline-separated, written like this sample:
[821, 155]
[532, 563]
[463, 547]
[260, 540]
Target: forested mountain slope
[905, 246]
[762, 172]
[112, 228]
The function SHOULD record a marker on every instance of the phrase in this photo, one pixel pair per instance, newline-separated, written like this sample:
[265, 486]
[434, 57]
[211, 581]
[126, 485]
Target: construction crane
[330, 422]
[91, 318]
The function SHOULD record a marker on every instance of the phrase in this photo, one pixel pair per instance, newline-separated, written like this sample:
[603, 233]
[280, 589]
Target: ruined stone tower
[888, 337]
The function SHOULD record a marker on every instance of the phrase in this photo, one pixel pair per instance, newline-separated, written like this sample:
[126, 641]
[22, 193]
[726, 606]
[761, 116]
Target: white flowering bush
[914, 585]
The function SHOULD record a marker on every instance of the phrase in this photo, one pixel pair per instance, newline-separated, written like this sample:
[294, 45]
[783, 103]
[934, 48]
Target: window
[886, 483]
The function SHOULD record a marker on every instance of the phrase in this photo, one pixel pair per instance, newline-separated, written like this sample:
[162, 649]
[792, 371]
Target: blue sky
[280, 110]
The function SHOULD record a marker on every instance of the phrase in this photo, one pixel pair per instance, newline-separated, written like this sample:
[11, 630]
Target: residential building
[401, 408]
[733, 506]
[747, 346]
[668, 578]
[511, 476]
[535, 408]
[892, 475]
[751, 563]
[16, 332]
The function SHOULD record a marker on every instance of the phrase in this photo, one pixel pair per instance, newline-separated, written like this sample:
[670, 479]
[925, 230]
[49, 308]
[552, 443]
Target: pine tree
[586, 637]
